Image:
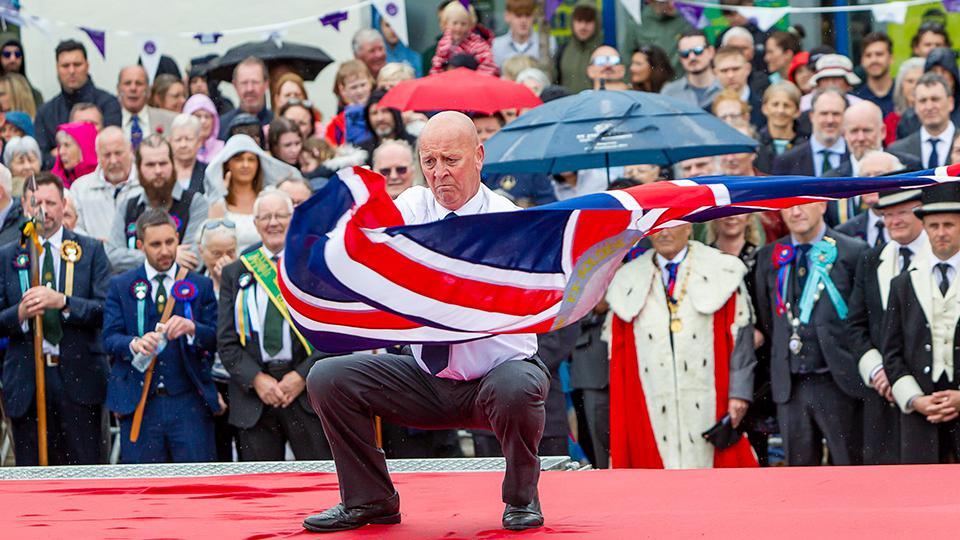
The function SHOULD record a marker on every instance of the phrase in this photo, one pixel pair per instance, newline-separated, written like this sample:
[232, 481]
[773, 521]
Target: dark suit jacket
[830, 330]
[908, 352]
[83, 363]
[120, 328]
[910, 146]
[10, 228]
[590, 368]
[799, 160]
[855, 227]
[868, 303]
[244, 362]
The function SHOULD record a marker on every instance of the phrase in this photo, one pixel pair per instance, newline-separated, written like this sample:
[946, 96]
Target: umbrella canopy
[308, 61]
[462, 90]
[596, 129]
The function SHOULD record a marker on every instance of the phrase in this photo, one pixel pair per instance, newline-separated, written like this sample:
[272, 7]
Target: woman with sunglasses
[12, 61]
[236, 177]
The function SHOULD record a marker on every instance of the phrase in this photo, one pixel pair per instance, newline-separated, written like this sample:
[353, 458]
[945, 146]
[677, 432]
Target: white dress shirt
[662, 263]
[919, 243]
[143, 118]
[168, 278]
[286, 351]
[475, 359]
[872, 220]
[943, 145]
[56, 241]
[504, 47]
[837, 151]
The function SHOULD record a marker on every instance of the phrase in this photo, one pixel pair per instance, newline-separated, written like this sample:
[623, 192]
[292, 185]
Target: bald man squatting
[497, 383]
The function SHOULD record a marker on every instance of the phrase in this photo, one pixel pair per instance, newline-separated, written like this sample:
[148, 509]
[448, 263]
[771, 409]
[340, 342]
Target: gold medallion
[70, 251]
[676, 325]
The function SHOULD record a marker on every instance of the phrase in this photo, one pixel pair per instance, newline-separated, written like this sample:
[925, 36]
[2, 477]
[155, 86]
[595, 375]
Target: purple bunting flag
[208, 38]
[551, 7]
[952, 5]
[99, 39]
[334, 19]
[693, 14]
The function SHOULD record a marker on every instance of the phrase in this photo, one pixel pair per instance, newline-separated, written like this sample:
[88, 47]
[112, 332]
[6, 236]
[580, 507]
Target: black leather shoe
[518, 518]
[341, 518]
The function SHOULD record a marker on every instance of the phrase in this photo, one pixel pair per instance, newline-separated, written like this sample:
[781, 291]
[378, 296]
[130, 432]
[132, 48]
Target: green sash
[265, 272]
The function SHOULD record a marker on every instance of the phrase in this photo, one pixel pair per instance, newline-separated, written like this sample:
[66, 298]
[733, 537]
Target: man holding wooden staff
[67, 297]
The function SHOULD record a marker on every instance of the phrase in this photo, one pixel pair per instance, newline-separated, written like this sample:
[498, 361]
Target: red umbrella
[460, 89]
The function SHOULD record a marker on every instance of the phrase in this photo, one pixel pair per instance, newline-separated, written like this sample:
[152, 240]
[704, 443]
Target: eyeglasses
[270, 217]
[401, 170]
[606, 61]
[685, 53]
[15, 54]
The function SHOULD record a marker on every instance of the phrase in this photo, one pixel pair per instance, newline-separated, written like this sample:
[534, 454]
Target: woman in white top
[234, 179]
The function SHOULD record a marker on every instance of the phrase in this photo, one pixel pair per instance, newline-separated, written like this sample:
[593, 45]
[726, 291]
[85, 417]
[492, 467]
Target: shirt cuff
[905, 390]
[870, 363]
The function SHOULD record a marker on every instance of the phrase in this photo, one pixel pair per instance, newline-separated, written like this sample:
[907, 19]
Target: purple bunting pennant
[952, 5]
[334, 19]
[693, 14]
[208, 38]
[99, 39]
[551, 7]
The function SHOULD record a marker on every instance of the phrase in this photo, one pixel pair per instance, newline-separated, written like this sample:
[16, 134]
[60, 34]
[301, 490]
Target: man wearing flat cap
[919, 354]
[876, 269]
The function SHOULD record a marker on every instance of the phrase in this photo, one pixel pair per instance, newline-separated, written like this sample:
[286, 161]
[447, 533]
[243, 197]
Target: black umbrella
[306, 60]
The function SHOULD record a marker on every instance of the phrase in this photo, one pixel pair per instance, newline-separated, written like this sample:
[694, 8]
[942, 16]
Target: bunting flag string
[393, 10]
[767, 16]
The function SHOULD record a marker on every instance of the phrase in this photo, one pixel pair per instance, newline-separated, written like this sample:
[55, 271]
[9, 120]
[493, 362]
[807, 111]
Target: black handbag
[723, 435]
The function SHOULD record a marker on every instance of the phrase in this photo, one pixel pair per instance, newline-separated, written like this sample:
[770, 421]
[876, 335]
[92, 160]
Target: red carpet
[866, 502]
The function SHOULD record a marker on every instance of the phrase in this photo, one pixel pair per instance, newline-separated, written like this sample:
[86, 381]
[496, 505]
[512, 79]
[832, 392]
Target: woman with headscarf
[76, 151]
[203, 108]
[234, 179]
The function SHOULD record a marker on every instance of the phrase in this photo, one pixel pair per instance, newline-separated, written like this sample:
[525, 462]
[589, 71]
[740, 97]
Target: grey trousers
[348, 391]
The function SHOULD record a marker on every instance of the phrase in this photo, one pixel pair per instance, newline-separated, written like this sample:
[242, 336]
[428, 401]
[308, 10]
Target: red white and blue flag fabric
[356, 277]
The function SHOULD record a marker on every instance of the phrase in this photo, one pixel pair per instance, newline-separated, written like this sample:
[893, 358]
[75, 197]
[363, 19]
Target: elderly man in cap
[919, 354]
[875, 271]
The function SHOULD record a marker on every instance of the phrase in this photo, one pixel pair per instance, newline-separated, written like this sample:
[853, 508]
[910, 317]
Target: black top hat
[894, 198]
[939, 199]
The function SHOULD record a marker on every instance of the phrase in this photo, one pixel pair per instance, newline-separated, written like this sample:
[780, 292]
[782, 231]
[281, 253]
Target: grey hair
[20, 145]
[272, 191]
[392, 142]
[365, 35]
[204, 234]
[895, 162]
[6, 180]
[736, 32]
[908, 65]
[820, 93]
[188, 121]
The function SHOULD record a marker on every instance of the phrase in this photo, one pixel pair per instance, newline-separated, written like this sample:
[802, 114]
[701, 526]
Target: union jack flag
[355, 277]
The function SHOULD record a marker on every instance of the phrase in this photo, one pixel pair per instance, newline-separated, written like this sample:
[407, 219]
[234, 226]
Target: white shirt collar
[918, 243]
[945, 137]
[678, 258]
[471, 207]
[820, 235]
[839, 147]
[269, 254]
[152, 272]
[953, 261]
[56, 239]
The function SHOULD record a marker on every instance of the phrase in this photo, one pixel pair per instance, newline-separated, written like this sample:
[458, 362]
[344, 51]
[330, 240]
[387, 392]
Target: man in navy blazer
[182, 399]
[76, 367]
[826, 145]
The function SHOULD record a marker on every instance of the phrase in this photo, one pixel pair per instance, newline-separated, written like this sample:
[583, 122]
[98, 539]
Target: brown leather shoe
[342, 518]
[518, 518]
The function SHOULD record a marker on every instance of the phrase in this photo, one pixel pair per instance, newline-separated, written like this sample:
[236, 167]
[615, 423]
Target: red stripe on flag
[364, 320]
[379, 210]
[668, 194]
[444, 287]
[594, 226]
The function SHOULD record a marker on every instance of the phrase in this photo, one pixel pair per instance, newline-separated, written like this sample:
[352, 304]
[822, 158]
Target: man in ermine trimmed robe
[681, 355]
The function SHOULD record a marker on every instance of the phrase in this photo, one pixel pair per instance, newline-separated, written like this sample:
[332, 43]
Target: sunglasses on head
[685, 53]
[8, 54]
[385, 171]
[302, 102]
[212, 224]
[606, 61]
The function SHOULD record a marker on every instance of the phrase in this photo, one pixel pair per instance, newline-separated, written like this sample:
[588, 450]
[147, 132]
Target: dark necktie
[827, 166]
[944, 278]
[905, 255]
[934, 160]
[52, 331]
[136, 132]
[879, 241]
[802, 266]
[437, 357]
[160, 297]
[272, 327]
[671, 278]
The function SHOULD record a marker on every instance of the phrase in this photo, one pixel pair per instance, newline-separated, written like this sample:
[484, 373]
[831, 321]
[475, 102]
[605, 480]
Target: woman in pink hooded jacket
[76, 151]
[203, 108]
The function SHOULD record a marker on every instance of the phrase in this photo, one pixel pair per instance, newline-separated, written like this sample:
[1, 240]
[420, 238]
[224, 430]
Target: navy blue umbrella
[605, 128]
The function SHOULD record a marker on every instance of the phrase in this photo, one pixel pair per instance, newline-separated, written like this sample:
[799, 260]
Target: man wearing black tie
[921, 324]
[869, 226]
[826, 150]
[933, 102]
[496, 383]
[876, 269]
